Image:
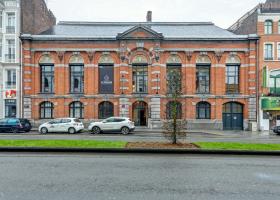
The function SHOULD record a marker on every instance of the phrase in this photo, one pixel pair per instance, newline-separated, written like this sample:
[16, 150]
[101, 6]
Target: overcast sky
[222, 12]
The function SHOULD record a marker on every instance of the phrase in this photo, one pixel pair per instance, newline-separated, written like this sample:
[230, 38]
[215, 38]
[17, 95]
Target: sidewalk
[210, 132]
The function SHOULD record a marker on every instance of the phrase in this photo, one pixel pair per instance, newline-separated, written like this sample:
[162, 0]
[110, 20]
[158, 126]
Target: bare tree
[174, 126]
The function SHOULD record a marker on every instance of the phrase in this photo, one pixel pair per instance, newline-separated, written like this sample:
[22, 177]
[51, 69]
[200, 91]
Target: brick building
[96, 70]
[36, 17]
[264, 20]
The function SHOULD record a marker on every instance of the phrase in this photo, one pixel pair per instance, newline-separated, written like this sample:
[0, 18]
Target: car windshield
[77, 120]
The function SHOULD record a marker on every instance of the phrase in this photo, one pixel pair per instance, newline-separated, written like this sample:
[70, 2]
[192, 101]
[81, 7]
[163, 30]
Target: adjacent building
[16, 17]
[264, 20]
[96, 70]
[10, 91]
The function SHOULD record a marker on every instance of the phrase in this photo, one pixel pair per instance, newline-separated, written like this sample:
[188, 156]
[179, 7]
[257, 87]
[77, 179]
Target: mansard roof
[118, 30]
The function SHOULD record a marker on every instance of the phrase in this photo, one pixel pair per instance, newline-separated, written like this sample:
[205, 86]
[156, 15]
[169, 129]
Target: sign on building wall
[106, 79]
[10, 94]
[270, 103]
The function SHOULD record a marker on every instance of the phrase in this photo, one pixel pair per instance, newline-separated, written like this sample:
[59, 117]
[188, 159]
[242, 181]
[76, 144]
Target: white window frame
[6, 78]
[278, 50]
[273, 51]
[268, 20]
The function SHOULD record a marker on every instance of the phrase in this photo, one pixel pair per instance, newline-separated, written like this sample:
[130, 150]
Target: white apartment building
[10, 83]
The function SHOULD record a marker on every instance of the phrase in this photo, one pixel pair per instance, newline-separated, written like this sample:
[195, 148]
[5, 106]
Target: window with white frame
[11, 23]
[278, 51]
[11, 79]
[268, 27]
[10, 52]
[268, 51]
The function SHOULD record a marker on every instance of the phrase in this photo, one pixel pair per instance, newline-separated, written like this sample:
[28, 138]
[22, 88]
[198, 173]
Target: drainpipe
[258, 86]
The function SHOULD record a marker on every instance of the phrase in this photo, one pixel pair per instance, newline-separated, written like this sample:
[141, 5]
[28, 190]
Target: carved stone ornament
[174, 59]
[219, 55]
[106, 59]
[60, 55]
[90, 55]
[203, 59]
[189, 55]
[76, 59]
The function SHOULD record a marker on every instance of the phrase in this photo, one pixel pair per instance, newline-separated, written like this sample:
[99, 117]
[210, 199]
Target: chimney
[149, 16]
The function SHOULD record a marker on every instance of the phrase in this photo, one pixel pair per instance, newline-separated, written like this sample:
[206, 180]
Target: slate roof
[169, 30]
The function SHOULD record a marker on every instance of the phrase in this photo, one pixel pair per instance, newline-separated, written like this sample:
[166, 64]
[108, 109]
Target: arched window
[106, 74]
[77, 110]
[203, 110]
[232, 74]
[76, 64]
[140, 74]
[268, 27]
[46, 110]
[46, 74]
[174, 74]
[105, 110]
[177, 106]
[203, 64]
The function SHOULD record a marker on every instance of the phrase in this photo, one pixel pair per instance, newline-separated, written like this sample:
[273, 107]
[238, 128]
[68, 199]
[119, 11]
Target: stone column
[155, 121]
[124, 107]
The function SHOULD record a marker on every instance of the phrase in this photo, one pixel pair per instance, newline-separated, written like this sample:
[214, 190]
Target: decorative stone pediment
[46, 59]
[106, 59]
[233, 59]
[203, 59]
[76, 59]
[174, 59]
[139, 59]
[139, 32]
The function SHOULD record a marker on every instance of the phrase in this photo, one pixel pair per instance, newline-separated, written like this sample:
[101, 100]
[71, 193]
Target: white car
[112, 124]
[65, 125]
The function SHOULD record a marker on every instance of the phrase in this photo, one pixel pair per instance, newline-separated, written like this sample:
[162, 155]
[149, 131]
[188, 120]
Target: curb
[137, 151]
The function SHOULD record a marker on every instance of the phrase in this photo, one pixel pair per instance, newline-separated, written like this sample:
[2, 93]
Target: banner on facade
[106, 79]
[270, 103]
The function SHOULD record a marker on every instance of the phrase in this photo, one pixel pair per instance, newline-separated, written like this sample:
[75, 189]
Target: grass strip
[62, 143]
[238, 146]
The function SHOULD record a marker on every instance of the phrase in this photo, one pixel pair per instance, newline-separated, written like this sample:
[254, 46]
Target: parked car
[62, 125]
[113, 124]
[276, 129]
[15, 125]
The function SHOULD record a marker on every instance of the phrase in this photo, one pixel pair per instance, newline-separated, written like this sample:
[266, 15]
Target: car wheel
[96, 130]
[71, 130]
[125, 130]
[44, 130]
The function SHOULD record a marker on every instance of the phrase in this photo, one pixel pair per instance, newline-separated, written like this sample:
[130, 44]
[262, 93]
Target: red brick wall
[218, 94]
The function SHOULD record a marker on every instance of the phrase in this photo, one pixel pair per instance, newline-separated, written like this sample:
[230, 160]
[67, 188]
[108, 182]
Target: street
[150, 136]
[87, 176]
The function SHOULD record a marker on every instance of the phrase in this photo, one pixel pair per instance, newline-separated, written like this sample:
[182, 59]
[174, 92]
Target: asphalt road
[126, 177]
[246, 137]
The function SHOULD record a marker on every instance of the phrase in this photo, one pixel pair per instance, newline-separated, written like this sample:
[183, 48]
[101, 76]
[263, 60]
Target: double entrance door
[140, 113]
[233, 116]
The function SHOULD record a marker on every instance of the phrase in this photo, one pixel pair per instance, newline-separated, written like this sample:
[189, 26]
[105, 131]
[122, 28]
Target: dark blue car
[14, 125]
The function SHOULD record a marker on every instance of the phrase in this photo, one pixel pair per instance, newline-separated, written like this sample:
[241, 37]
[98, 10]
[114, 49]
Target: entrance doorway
[140, 110]
[233, 116]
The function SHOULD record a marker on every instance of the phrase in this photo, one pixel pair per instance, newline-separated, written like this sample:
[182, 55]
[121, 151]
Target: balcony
[10, 29]
[10, 3]
[10, 85]
[10, 58]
